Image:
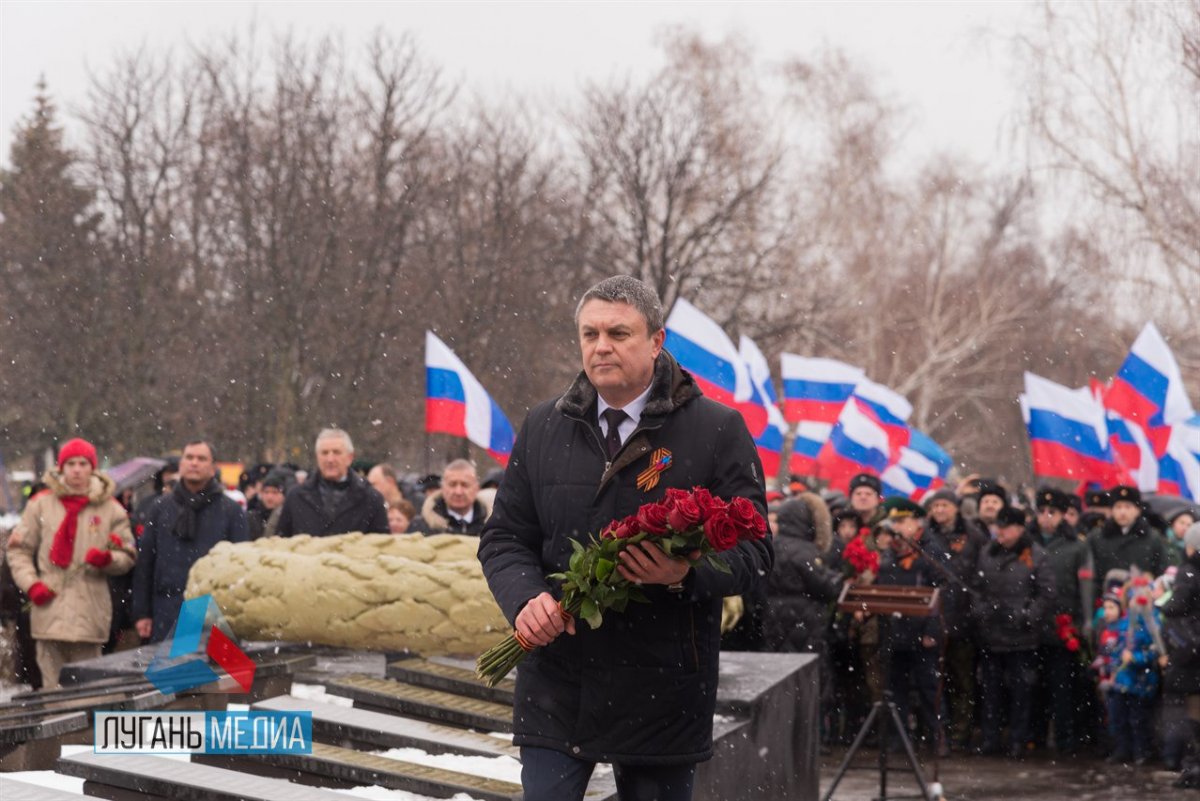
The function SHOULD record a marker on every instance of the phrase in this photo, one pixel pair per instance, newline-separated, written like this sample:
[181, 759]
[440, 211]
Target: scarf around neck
[63, 547]
[190, 504]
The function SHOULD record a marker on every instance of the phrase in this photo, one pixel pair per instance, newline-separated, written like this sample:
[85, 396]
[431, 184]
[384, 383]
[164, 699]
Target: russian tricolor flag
[1068, 432]
[1133, 452]
[890, 408]
[925, 445]
[770, 442]
[1148, 389]
[1179, 467]
[806, 447]
[703, 349]
[816, 389]
[858, 443]
[457, 404]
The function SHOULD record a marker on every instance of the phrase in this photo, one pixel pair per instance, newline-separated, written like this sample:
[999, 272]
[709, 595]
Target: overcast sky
[935, 58]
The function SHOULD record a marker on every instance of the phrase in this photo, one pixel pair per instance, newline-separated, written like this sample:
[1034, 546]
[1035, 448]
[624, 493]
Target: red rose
[685, 514]
[746, 516]
[1072, 645]
[621, 529]
[709, 505]
[721, 532]
[652, 519]
[114, 540]
[1062, 620]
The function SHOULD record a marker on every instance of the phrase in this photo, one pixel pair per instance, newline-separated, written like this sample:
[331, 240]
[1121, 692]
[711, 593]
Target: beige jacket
[81, 610]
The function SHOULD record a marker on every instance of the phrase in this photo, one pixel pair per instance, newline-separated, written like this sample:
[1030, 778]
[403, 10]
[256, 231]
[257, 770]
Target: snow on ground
[503, 768]
[316, 692]
[57, 781]
[7, 691]
[384, 794]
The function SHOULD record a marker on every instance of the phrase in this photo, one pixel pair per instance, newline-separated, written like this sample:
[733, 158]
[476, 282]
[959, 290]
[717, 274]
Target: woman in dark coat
[802, 586]
[1184, 679]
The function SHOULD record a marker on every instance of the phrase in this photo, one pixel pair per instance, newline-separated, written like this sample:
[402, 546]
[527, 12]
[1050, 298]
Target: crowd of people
[1063, 626]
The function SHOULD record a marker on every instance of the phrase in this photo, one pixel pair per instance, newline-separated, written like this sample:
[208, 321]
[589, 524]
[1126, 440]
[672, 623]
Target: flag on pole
[1068, 432]
[1179, 467]
[858, 443]
[806, 446]
[770, 442]
[815, 389]
[457, 404]
[1148, 389]
[703, 349]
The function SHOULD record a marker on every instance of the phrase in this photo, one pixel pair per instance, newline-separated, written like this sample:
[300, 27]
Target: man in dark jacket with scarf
[335, 499]
[178, 529]
[1071, 563]
[639, 692]
[1016, 595]
[1182, 677]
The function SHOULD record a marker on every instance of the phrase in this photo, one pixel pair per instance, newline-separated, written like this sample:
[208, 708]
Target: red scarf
[63, 547]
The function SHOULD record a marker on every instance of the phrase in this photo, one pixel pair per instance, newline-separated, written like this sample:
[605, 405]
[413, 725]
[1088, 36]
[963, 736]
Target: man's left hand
[645, 563]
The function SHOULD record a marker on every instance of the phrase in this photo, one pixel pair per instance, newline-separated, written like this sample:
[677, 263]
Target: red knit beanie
[77, 447]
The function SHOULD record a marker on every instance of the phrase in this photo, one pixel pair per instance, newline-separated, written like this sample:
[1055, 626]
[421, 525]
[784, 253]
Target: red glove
[40, 594]
[98, 558]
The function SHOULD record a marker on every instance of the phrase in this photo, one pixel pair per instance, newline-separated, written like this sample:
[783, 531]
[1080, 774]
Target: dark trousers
[1055, 698]
[1129, 724]
[1007, 675]
[549, 775]
[912, 672]
[961, 688]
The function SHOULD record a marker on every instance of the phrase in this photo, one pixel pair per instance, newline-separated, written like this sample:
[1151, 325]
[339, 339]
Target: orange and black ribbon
[660, 460]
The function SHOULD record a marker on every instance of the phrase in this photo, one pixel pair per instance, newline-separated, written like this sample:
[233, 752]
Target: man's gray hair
[627, 289]
[459, 466]
[334, 433]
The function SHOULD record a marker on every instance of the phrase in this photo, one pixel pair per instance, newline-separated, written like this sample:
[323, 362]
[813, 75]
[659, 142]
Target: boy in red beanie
[70, 539]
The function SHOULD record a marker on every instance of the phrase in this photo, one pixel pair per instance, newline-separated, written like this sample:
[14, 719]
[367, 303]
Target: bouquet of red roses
[684, 524]
[860, 557]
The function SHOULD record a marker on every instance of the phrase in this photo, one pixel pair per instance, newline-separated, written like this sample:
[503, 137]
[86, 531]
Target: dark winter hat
[1073, 501]
[1115, 597]
[866, 480]
[1051, 498]
[430, 482]
[845, 513]
[898, 507]
[281, 478]
[1124, 492]
[989, 487]
[492, 479]
[77, 447]
[1010, 516]
[796, 517]
[944, 494]
[1098, 499]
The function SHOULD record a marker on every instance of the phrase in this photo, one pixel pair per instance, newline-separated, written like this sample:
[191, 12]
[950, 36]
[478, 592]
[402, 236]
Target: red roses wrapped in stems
[683, 524]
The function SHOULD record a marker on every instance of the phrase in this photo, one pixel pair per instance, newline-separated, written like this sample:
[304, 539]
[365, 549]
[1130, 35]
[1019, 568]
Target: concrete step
[16, 790]
[448, 678]
[389, 695]
[333, 766]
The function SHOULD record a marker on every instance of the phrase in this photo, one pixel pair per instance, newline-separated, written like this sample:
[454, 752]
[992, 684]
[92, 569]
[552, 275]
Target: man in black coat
[1016, 593]
[180, 527]
[639, 692]
[959, 542]
[1126, 539]
[335, 499]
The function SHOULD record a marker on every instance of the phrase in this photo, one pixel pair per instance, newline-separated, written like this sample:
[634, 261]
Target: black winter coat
[1143, 546]
[899, 633]
[362, 509]
[801, 588]
[642, 688]
[160, 575]
[1184, 602]
[1016, 595]
[1071, 563]
[959, 547]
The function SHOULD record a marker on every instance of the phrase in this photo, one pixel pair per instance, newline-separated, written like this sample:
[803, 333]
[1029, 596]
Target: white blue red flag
[1148, 389]
[1179, 467]
[1068, 432]
[457, 404]
[891, 410]
[806, 446]
[858, 443]
[770, 441]
[816, 389]
[703, 349]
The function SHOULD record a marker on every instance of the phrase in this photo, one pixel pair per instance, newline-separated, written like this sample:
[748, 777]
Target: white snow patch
[7, 691]
[48, 778]
[384, 794]
[502, 768]
[500, 735]
[237, 707]
[316, 692]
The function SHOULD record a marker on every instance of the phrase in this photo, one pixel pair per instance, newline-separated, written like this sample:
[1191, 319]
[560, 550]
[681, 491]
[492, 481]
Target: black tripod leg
[902, 730]
[858, 741]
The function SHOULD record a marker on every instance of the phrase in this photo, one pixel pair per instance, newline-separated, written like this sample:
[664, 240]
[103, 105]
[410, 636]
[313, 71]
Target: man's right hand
[145, 627]
[541, 621]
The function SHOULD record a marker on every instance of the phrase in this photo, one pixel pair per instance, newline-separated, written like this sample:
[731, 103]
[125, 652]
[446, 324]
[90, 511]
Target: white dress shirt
[633, 411]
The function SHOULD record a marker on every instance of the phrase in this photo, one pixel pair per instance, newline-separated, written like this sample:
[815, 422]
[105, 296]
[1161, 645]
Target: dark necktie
[614, 417]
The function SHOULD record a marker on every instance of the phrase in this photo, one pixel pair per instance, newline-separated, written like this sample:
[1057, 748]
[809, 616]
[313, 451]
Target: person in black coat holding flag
[639, 692]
